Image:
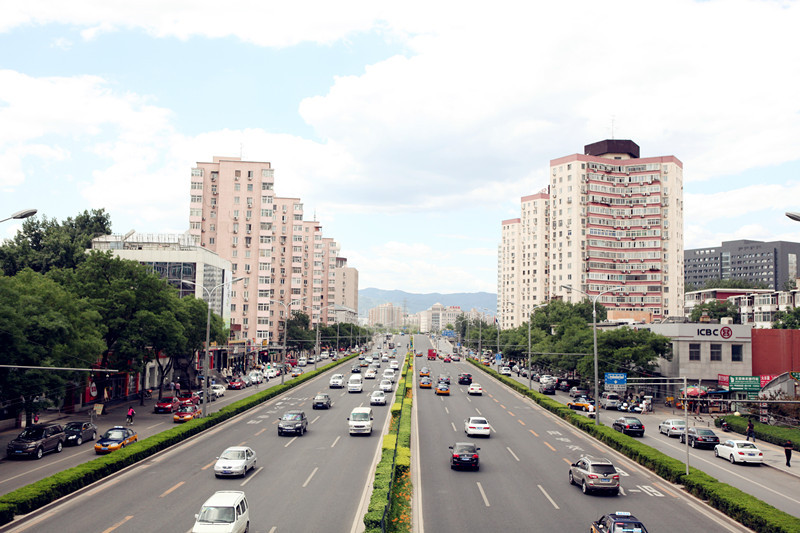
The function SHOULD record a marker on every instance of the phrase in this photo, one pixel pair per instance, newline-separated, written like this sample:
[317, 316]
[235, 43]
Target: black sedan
[321, 401]
[355, 370]
[464, 454]
[619, 521]
[547, 388]
[293, 421]
[77, 432]
[700, 437]
[629, 425]
[465, 378]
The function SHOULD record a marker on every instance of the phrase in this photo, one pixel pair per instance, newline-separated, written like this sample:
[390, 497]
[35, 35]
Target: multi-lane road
[522, 483]
[315, 482]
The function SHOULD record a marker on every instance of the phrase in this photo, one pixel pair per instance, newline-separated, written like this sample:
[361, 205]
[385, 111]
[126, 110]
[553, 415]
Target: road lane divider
[483, 494]
[115, 526]
[534, 433]
[454, 426]
[308, 480]
[548, 496]
[512, 453]
[209, 465]
[251, 476]
[548, 445]
[175, 487]
[291, 441]
[336, 440]
[520, 421]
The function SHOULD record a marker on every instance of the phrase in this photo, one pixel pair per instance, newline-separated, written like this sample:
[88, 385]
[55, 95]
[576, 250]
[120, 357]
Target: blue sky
[410, 130]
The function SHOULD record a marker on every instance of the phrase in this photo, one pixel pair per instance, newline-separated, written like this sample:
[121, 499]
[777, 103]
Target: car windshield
[73, 426]
[186, 409]
[168, 399]
[32, 434]
[378, 393]
[748, 445]
[359, 417]
[478, 421]
[322, 397]
[464, 448]
[475, 386]
[232, 455]
[603, 470]
[114, 434]
[706, 432]
[292, 416]
[216, 515]
[631, 421]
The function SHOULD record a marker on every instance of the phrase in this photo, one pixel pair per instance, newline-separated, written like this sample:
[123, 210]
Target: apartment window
[197, 185]
[267, 173]
[694, 352]
[196, 199]
[716, 352]
[197, 172]
[736, 353]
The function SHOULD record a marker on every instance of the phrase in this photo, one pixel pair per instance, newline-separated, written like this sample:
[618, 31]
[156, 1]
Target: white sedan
[378, 397]
[218, 390]
[672, 427]
[477, 425]
[475, 388]
[370, 374]
[235, 461]
[337, 381]
[739, 451]
[505, 371]
[386, 385]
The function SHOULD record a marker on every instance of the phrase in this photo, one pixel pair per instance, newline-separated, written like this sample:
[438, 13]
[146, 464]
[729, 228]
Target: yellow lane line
[115, 526]
[548, 445]
[165, 493]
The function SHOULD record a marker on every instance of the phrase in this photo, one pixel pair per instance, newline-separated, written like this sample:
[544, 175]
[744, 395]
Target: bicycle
[148, 394]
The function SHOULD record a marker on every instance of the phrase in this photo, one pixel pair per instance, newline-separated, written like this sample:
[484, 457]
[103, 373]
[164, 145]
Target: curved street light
[594, 334]
[25, 213]
[285, 333]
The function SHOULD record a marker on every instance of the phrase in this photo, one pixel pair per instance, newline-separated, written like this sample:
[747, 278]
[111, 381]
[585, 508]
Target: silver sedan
[235, 461]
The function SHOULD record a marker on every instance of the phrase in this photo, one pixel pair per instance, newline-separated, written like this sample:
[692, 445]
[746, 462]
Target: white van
[609, 400]
[360, 421]
[302, 361]
[225, 511]
[355, 384]
[389, 374]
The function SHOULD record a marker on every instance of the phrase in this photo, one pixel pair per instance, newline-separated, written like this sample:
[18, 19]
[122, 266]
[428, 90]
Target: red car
[236, 384]
[189, 398]
[447, 359]
[167, 404]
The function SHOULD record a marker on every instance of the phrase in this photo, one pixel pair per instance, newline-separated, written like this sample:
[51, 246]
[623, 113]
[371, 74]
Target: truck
[431, 354]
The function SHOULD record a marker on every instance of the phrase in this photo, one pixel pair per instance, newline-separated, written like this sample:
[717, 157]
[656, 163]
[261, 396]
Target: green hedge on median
[742, 507]
[36, 495]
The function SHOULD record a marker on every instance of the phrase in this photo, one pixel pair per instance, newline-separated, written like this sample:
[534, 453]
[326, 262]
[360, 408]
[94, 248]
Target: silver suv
[594, 474]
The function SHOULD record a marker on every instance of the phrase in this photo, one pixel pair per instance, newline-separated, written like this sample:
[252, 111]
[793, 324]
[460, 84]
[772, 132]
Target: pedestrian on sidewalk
[131, 414]
[751, 431]
[36, 418]
[787, 449]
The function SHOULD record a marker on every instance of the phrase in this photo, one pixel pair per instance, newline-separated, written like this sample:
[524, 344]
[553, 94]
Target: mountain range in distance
[414, 303]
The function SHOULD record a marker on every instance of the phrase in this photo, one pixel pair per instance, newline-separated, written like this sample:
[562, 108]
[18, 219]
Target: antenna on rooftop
[612, 126]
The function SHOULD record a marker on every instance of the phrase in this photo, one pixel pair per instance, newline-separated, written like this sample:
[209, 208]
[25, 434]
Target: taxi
[114, 439]
[425, 383]
[618, 522]
[186, 413]
[443, 389]
[419, 354]
[581, 403]
[297, 371]
[424, 372]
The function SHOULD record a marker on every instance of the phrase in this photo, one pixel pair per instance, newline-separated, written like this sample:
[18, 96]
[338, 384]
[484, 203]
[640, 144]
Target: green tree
[733, 284]
[716, 310]
[41, 324]
[43, 244]
[300, 336]
[788, 319]
[634, 351]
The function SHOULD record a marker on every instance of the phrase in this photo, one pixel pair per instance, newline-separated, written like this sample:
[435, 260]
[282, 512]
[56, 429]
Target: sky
[409, 130]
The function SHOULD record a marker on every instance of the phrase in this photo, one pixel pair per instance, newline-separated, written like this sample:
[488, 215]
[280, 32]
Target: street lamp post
[25, 213]
[285, 332]
[594, 334]
[316, 347]
[530, 362]
[206, 369]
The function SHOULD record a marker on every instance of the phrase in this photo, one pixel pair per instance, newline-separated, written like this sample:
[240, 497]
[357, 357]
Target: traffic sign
[616, 381]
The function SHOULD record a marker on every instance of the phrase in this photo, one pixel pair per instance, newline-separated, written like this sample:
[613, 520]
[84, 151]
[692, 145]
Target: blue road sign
[616, 381]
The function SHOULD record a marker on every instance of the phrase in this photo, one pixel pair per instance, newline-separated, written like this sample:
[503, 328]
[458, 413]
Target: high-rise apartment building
[285, 262]
[386, 315]
[608, 219]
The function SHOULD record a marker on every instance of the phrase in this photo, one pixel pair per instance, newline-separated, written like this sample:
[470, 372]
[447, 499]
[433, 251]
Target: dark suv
[36, 440]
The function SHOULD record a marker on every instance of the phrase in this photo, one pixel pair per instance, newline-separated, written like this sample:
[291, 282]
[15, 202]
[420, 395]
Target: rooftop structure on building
[176, 258]
[608, 218]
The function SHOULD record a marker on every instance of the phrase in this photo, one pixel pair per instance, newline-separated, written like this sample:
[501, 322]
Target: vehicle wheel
[78, 441]
[280, 433]
[732, 459]
[452, 466]
[616, 492]
[584, 488]
[693, 443]
[94, 435]
[39, 453]
[716, 453]
[571, 479]
[247, 528]
[59, 447]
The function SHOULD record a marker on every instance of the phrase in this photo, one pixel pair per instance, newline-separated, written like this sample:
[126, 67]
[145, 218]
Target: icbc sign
[725, 333]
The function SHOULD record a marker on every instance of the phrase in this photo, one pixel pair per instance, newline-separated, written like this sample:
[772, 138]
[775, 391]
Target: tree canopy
[716, 310]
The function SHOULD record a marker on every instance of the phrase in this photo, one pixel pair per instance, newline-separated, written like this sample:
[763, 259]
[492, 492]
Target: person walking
[751, 432]
[131, 414]
[787, 449]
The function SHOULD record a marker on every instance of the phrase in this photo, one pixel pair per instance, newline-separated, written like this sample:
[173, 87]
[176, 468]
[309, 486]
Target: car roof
[236, 448]
[224, 498]
[597, 460]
